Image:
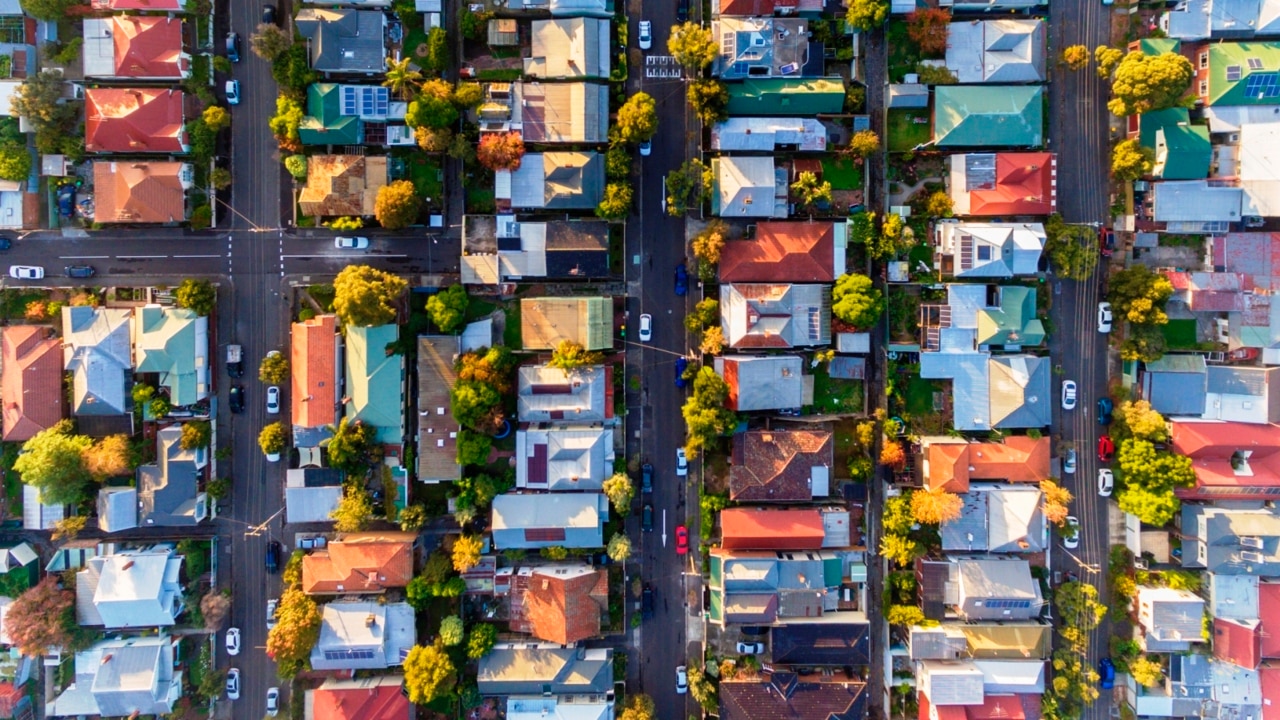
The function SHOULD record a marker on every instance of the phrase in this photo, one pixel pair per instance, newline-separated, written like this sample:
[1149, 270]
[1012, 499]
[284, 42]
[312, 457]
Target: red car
[1106, 241]
[1106, 448]
[682, 540]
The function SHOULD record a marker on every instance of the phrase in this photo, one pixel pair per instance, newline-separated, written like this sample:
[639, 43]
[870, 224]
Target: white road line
[342, 256]
[83, 257]
[141, 257]
[197, 256]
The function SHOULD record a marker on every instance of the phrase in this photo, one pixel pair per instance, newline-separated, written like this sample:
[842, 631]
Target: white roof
[764, 134]
[951, 682]
[1260, 168]
[996, 51]
[747, 187]
[363, 635]
[1231, 118]
[35, 514]
[137, 588]
[520, 707]
[17, 556]
[1012, 676]
[311, 504]
[1196, 201]
[992, 250]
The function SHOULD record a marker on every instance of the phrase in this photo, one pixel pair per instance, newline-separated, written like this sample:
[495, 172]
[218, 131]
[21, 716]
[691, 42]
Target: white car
[26, 272]
[1069, 463]
[271, 612]
[646, 35]
[1068, 394]
[351, 243]
[1071, 533]
[646, 327]
[233, 641]
[1104, 317]
[1106, 482]
[273, 400]
[750, 648]
[682, 680]
[233, 92]
[682, 463]
[233, 684]
[273, 701]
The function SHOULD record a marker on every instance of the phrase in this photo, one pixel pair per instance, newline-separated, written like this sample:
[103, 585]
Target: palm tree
[401, 78]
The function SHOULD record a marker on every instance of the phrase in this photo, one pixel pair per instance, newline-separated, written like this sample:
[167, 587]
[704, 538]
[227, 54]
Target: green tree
[15, 162]
[1146, 671]
[467, 95]
[1131, 161]
[693, 46]
[1078, 604]
[617, 162]
[705, 314]
[1139, 295]
[273, 438]
[350, 445]
[709, 99]
[1075, 57]
[292, 71]
[900, 549]
[939, 205]
[448, 308]
[434, 140]
[269, 42]
[53, 462]
[68, 528]
[637, 119]
[856, 301]
[216, 117]
[904, 615]
[1071, 248]
[473, 448]
[687, 185]
[434, 106]
[638, 707]
[620, 491]
[1107, 58]
[808, 191]
[198, 296]
[1144, 342]
[438, 56]
[414, 517]
[481, 640]
[297, 166]
[195, 435]
[616, 203]
[365, 296]
[397, 205]
[402, 77]
[1153, 507]
[619, 548]
[39, 100]
[570, 355]
[705, 414]
[1142, 465]
[274, 369]
[466, 552]
[709, 243]
[864, 143]
[476, 405]
[354, 511]
[297, 628]
[1142, 83]
[220, 178]
[866, 14]
[1143, 421]
[48, 10]
[284, 124]
[936, 75]
[501, 151]
[452, 631]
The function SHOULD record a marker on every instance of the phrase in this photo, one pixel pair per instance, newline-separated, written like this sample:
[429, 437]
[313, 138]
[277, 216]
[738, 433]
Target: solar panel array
[365, 101]
[348, 654]
[1262, 85]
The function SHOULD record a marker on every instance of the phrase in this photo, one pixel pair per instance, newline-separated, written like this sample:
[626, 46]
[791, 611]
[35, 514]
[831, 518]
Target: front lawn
[1180, 334]
[842, 174]
[909, 128]
[427, 177]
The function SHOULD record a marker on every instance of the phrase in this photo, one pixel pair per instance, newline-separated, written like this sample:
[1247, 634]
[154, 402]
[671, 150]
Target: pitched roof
[534, 669]
[363, 635]
[779, 465]
[757, 382]
[168, 489]
[753, 528]
[572, 458]
[313, 358]
[787, 696]
[1269, 616]
[173, 342]
[375, 381]
[359, 563]
[766, 134]
[1175, 384]
[541, 520]
[569, 48]
[343, 40]
[499, 249]
[1244, 394]
[561, 603]
[572, 112]
[582, 395]
[98, 353]
[31, 382]
[135, 46]
[140, 192]
[784, 96]
[1010, 391]
[809, 645]
[437, 430]
[988, 115]
[758, 316]
[1269, 679]
[142, 5]
[1211, 447]
[1183, 152]
[1243, 73]
[996, 51]
[747, 187]
[134, 120]
[546, 321]
[1238, 642]
[998, 518]
[342, 184]
[558, 181]
[130, 589]
[325, 122]
[785, 252]
[1001, 184]
[373, 698]
[950, 464]
[990, 250]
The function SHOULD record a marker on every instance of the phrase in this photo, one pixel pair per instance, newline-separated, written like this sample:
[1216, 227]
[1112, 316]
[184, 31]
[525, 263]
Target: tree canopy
[53, 462]
[619, 548]
[935, 506]
[705, 414]
[1142, 83]
[616, 203]
[111, 456]
[1142, 421]
[466, 552]
[43, 617]
[1131, 161]
[354, 511]
[620, 491]
[1148, 478]
[928, 29]
[856, 301]
[569, 355]
[867, 14]
[274, 369]
[448, 308]
[1075, 57]
[273, 438]
[709, 99]
[1072, 249]
[296, 630]
[709, 242]
[350, 446]
[637, 119]
[365, 296]
[481, 640]
[501, 151]
[693, 46]
[397, 205]
[1139, 295]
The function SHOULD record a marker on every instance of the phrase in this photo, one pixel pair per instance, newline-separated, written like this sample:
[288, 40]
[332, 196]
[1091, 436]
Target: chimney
[370, 620]
[106, 658]
[127, 565]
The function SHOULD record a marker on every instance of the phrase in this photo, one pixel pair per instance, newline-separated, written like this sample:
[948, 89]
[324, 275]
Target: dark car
[646, 519]
[269, 14]
[646, 478]
[1106, 448]
[1106, 674]
[67, 200]
[79, 271]
[682, 11]
[682, 279]
[682, 364]
[236, 400]
[273, 556]
[5, 243]
[233, 47]
[1105, 406]
[646, 601]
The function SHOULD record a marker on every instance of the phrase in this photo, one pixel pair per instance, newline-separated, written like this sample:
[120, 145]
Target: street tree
[897, 518]
[1107, 58]
[866, 15]
[639, 707]
[616, 203]
[1131, 161]
[617, 162]
[569, 355]
[397, 205]
[693, 46]
[619, 548]
[709, 99]
[620, 491]
[1075, 57]
[53, 462]
[365, 296]
[350, 445]
[637, 119]
[709, 242]
[900, 549]
[687, 185]
[935, 506]
[414, 517]
[1146, 671]
[1142, 465]
[808, 191]
[904, 615]
[402, 78]
[215, 607]
[1145, 343]
[216, 117]
[1140, 294]
[428, 673]
[501, 151]
[1078, 604]
[927, 28]
[111, 456]
[43, 618]
[473, 447]
[1156, 508]
[856, 301]
[481, 640]
[452, 631]
[712, 341]
[297, 166]
[285, 123]
[1057, 502]
[466, 552]
[273, 438]
[296, 630]
[705, 314]
[220, 178]
[354, 511]
[1142, 83]
[448, 309]
[1071, 248]
[274, 369]
[269, 41]
[705, 414]
[195, 435]
[1143, 421]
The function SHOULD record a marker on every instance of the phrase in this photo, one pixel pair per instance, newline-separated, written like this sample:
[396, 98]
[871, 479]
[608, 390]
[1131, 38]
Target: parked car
[682, 680]
[682, 364]
[646, 34]
[646, 148]
[1104, 317]
[682, 463]
[1106, 482]
[1106, 448]
[646, 327]
[233, 684]
[67, 200]
[5, 243]
[273, 701]
[272, 604]
[233, 46]
[646, 601]
[235, 360]
[1106, 241]
[351, 243]
[273, 400]
[269, 14]
[233, 92]
[646, 519]
[646, 478]
[751, 648]
[273, 556]
[1068, 394]
[236, 399]
[682, 11]
[26, 272]
[682, 280]
[1105, 406]
[1071, 533]
[79, 271]
[1106, 668]
[1069, 462]
[682, 540]
[233, 641]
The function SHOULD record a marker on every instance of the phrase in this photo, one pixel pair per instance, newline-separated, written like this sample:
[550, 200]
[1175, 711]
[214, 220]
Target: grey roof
[364, 635]
[344, 41]
[996, 578]
[572, 458]
[37, 515]
[1231, 597]
[1195, 202]
[1171, 615]
[576, 112]
[996, 51]
[116, 678]
[773, 382]
[751, 187]
[437, 430]
[1201, 19]
[568, 48]
[98, 352]
[765, 134]
[539, 668]
[1231, 541]
[914, 95]
[168, 492]
[1176, 384]
[117, 508]
[312, 494]
[1004, 391]
[130, 589]
[547, 394]
[1242, 394]
[558, 181]
[990, 250]
[1011, 676]
[775, 315]
[571, 520]
[937, 642]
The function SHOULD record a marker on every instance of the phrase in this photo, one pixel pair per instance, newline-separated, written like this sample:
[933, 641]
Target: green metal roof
[375, 381]
[783, 96]
[168, 341]
[1014, 322]
[1158, 46]
[1150, 122]
[1188, 153]
[1246, 73]
[987, 116]
[324, 123]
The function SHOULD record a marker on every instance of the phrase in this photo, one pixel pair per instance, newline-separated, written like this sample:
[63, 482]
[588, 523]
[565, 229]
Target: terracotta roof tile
[771, 529]
[560, 609]
[342, 185]
[786, 696]
[382, 701]
[134, 120]
[781, 252]
[1025, 185]
[139, 192]
[360, 563]
[315, 377]
[148, 46]
[1017, 459]
[777, 465]
[31, 384]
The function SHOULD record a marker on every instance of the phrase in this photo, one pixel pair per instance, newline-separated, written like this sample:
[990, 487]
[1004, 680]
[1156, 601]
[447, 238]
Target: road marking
[141, 257]
[197, 256]
[83, 257]
[334, 255]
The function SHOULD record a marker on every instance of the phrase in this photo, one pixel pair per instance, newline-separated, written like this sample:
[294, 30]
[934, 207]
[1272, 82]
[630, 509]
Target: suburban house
[545, 322]
[563, 603]
[544, 113]
[997, 51]
[570, 458]
[784, 252]
[314, 356]
[550, 395]
[799, 97]
[1245, 614]
[1182, 149]
[141, 192]
[168, 490]
[756, 528]
[31, 380]
[747, 8]
[988, 250]
[1231, 74]
[998, 518]
[344, 41]
[988, 640]
[1002, 184]
[981, 317]
[499, 249]
[130, 589]
[765, 382]
[1231, 541]
[348, 114]
[1232, 460]
[758, 316]
[949, 463]
[838, 643]
[1170, 620]
[781, 465]
[363, 635]
[311, 494]
[769, 134]
[345, 185]
[135, 120]
[173, 342]
[569, 49]
[791, 695]
[135, 47]
[359, 564]
[1203, 19]
[980, 688]
[552, 181]
[1242, 394]
[1175, 384]
[540, 669]
[992, 391]
[979, 588]
[761, 47]
[753, 187]
[370, 698]
[37, 515]
[437, 430]
[752, 587]
[1251, 254]
[530, 522]
[1196, 206]
[98, 352]
[375, 383]
[988, 116]
[123, 677]
[593, 706]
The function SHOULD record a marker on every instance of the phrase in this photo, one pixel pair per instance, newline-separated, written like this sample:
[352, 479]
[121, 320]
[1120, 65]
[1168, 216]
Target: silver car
[351, 243]
[273, 400]
[26, 272]
[1106, 482]
[233, 684]
[1069, 463]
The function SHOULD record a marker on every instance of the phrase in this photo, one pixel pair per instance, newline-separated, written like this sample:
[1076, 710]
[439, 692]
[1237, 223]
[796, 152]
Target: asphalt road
[1078, 118]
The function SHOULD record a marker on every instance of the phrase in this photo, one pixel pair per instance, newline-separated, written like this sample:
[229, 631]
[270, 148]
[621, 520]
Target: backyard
[908, 128]
[843, 174]
[835, 395]
[1180, 334]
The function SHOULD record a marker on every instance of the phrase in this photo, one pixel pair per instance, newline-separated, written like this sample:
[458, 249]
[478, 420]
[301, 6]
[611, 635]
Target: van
[646, 522]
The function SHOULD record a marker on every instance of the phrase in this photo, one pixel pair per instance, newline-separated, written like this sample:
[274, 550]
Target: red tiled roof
[312, 357]
[1269, 615]
[382, 701]
[770, 529]
[360, 563]
[1211, 291]
[139, 192]
[148, 46]
[777, 465]
[1210, 445]
[559, 609]
[781, 252]
[134, 120]
[943, 712]
[1025, 185]
[1236, 643]
[143, 5]
[31, 384]
[1017, 459]
[998, 707]
[1270, 677]
[786, 696]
